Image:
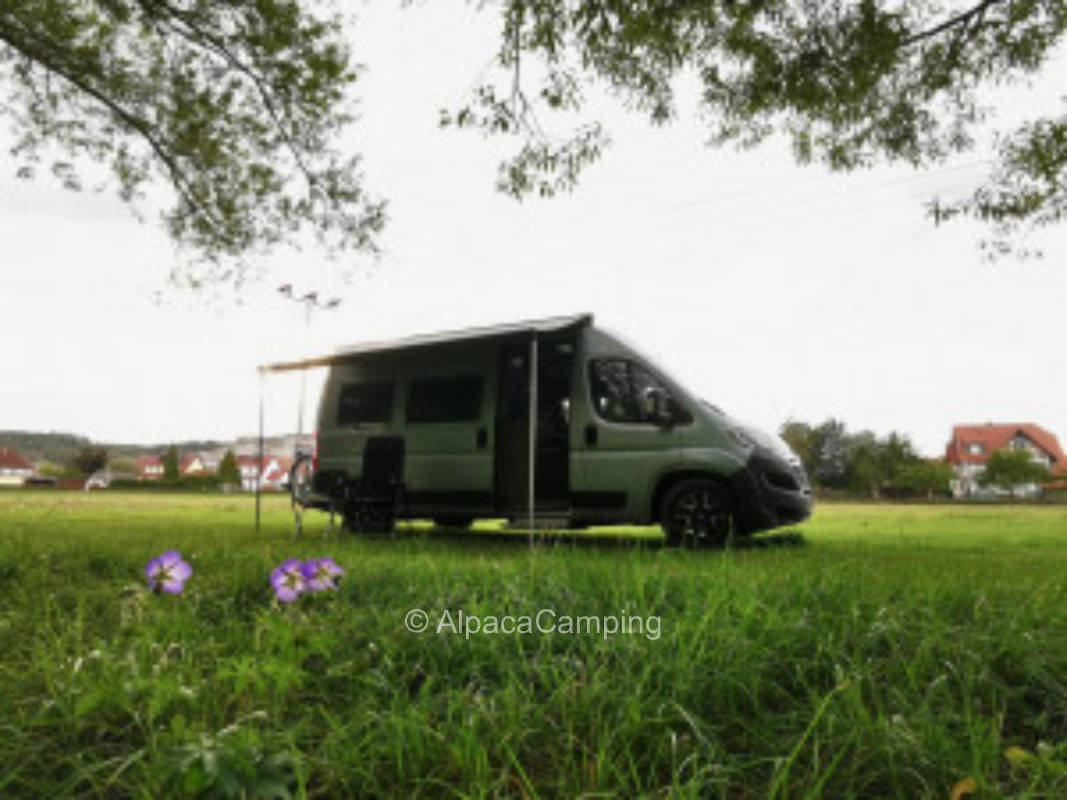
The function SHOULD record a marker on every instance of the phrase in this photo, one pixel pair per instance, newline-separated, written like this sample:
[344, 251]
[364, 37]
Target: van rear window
[365, 402]
[445, 399]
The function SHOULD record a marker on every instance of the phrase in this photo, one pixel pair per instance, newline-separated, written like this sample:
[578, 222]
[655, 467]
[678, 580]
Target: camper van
[551, 422]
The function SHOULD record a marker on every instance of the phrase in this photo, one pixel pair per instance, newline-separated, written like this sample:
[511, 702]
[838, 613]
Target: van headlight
[752, 438]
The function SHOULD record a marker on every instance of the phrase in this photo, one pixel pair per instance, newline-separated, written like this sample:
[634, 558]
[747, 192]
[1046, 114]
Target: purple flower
[288, 581]
[322, 574]
[168, 572]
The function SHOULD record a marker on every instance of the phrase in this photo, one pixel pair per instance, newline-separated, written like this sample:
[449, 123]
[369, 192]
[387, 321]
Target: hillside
[59, 448]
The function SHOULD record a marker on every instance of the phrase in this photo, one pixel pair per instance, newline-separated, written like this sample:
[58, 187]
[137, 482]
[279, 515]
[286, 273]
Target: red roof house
[150, 468]
[14, 468]
[249, 470]
[276, 471]
[273, 473]
[971, 445]
[190, 464]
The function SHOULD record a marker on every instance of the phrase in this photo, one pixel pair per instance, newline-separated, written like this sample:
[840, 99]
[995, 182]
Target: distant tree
[865, 463]
[59, 448]
[89, 459]
[49, 469]
[831, 454]
[170, 464]
[228, 471]
[800, 437]
[1010, 469]
[896, 453]
[837, 459]
[123, 465]
[924, 477]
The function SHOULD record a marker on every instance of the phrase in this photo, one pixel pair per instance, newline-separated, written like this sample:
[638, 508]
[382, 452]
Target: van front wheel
[697, 512]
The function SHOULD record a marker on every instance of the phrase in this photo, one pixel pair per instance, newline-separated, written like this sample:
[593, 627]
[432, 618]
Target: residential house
[282, 445]
[99, 480]
[14, 468]
[191, 464]
[276, 472]
[249, 469]
[149, 468]
[273, 477]
[210, 459]
[971, 445]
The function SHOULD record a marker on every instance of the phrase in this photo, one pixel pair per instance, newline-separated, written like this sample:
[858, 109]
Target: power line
[790, 185]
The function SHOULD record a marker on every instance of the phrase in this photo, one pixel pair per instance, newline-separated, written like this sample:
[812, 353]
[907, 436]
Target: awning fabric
[528, 327]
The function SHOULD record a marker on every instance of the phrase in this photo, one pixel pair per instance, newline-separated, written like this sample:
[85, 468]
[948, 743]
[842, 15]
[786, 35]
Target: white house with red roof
[149, 468]
[249, 469]
[191, 464]
[274, 474]
[971, 445]
[14, 468]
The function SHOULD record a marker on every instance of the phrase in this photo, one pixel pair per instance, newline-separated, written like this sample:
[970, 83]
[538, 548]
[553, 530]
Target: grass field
[884, 652]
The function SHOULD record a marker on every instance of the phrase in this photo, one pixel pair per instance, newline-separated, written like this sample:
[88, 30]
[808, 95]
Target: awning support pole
[259, 451]
[532, 470]
[303, 375]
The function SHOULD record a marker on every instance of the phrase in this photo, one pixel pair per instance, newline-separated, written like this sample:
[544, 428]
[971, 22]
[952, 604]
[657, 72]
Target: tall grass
[892, 652]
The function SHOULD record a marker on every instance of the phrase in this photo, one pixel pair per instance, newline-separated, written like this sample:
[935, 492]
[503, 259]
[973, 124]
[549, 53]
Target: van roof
[526, 327]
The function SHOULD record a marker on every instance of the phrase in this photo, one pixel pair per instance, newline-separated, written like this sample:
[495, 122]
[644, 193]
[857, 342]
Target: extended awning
[534, 327]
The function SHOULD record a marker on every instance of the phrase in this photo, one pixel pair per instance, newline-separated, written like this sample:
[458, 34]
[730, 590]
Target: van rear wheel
[697, 512]
[369, 518]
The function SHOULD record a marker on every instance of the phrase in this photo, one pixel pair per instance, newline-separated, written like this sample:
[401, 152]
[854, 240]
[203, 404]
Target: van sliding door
[554, 377]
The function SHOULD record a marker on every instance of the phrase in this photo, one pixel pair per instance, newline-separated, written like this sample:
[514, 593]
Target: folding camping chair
[371, 503]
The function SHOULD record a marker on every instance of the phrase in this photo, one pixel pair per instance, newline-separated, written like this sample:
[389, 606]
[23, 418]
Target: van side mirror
[658, 407]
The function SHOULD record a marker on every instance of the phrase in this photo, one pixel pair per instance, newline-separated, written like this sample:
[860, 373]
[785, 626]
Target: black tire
[456, 522]
[698, 512]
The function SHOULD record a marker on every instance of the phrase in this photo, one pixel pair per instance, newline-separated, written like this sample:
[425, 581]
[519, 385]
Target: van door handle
[481, 438]
[591, 434]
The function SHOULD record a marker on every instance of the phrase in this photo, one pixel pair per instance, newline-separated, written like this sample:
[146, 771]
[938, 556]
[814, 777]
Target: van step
[552, 520]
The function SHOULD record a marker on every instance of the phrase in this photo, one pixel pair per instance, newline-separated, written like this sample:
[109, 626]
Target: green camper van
[545, 422]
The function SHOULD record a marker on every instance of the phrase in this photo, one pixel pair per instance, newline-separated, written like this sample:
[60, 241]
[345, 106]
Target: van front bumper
[771, 492]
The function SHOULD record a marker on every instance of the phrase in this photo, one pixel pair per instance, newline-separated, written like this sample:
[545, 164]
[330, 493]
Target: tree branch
[964, 18]
[18, 37]
[202, 39]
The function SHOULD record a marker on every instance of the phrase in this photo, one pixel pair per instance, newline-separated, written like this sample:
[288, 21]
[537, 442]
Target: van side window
[445, 399]
[613, 396]
[365, 402]
[621, 392]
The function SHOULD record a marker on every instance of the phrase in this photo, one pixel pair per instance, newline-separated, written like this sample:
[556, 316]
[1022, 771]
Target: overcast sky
[772, 290]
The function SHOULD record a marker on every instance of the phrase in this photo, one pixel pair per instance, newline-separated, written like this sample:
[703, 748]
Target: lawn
[885, 651]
